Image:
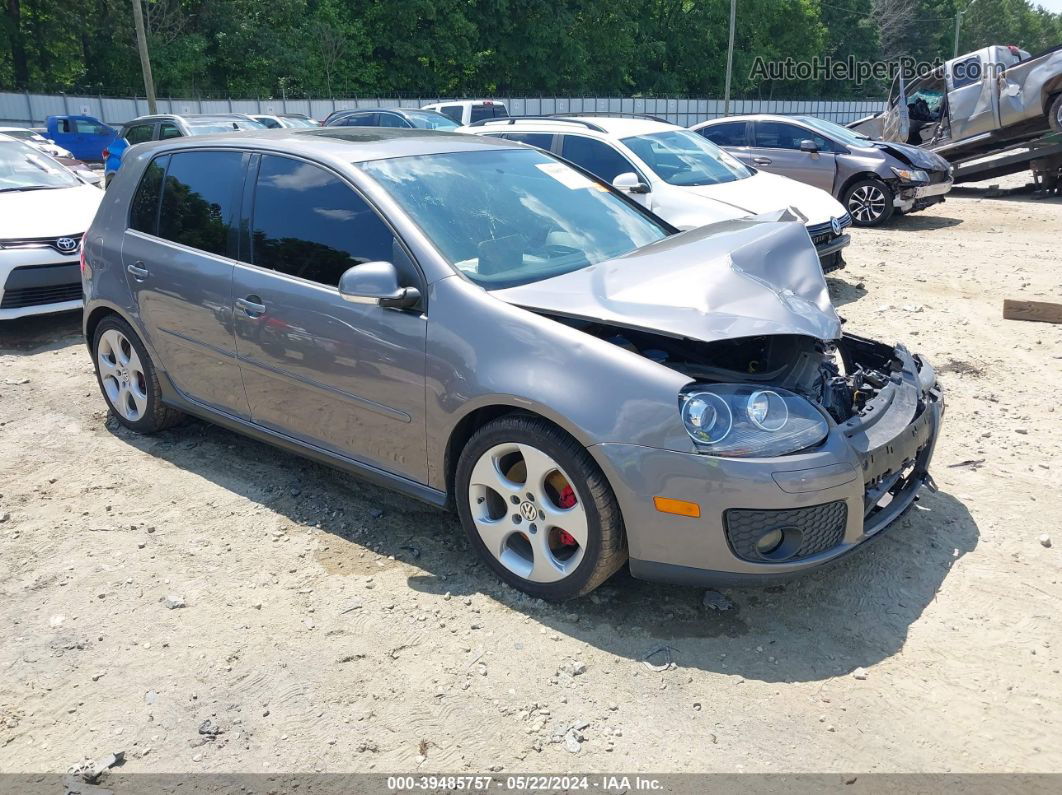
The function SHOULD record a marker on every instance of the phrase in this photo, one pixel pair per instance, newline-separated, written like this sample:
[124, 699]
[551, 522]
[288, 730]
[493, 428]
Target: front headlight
[749, 421]
[911, 175]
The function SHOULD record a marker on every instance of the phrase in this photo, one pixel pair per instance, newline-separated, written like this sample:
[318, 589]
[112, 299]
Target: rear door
[776, 149]
[345, 377]
[177, 253]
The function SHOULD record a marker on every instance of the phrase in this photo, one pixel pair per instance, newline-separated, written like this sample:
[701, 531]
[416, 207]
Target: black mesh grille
[821, 527]
[38, 296]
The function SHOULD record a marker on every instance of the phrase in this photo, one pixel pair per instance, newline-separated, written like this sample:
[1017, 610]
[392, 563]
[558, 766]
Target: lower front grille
[809, 531]
[39, 296]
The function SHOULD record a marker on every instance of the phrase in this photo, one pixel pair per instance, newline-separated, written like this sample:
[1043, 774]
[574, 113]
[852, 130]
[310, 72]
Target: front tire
[869, 201]
[127, 378]
[538, 510]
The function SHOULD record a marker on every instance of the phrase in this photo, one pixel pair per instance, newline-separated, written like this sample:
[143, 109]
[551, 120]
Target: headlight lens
[739, 420]
[911, 175]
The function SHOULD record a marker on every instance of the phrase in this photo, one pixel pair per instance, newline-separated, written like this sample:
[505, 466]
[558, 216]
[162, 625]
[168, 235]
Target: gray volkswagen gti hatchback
[479, 325]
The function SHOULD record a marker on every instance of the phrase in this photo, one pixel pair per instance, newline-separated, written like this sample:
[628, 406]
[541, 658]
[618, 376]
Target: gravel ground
[206, 603]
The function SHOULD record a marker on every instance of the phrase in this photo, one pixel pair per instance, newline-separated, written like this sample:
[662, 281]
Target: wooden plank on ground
[1039, 311]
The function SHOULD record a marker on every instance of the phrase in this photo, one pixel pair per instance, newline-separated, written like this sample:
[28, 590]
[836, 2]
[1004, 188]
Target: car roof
[191, 117]
[754, 117]
[612, 126]
[487, 101]
[342, 144]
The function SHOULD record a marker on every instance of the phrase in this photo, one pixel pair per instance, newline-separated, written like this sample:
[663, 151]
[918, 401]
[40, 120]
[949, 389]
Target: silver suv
[478, 324]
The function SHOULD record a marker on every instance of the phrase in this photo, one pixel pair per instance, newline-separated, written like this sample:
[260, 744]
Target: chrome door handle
[137, 272]
[253, 308]
[761, 161]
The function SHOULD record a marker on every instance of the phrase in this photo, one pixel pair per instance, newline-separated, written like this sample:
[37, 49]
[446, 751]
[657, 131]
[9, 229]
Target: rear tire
[869, 201]
[512, 489]
[1054, 114]
[127, 378]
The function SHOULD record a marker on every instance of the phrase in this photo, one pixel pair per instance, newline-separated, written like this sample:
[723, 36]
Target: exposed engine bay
[840, 376]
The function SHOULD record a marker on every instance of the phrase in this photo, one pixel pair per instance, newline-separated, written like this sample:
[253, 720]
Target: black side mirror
[376, 283]
[807, 145]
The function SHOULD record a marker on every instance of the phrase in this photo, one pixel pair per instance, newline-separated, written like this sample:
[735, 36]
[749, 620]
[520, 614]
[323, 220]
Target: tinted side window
[596, 157]
[200, 196]
[144, 209]
[731, 133]
[309, 223]
[778, 135]
[541, 140]
[138, 133]
[451, 112]
[169, 130]
[362, 120]
[966, 73]
[479, 112]
[392, 120]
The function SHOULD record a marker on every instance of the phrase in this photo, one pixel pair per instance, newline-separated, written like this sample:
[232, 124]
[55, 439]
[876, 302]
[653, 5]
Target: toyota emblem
[66, 244]
[835, 225]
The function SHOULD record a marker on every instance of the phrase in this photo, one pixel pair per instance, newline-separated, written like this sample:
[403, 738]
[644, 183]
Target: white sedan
[44, 212]
[683, 178]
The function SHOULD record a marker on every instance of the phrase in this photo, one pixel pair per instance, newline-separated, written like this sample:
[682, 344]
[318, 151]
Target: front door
[345, 377]
[179, 270]
[776, 149]
[601, 160]
[896, 124]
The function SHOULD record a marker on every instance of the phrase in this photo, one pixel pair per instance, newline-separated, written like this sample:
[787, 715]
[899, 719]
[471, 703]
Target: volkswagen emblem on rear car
[835, 225]
[66, 244]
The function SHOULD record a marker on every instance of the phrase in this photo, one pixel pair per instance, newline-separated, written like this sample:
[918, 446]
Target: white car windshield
[680, 157]
[24, 168]
[505, 217]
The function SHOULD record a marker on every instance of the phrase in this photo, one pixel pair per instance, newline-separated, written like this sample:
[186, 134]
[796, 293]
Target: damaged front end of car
[805, 441]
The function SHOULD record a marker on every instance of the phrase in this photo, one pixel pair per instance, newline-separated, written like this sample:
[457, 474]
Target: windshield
[680, 157]
[23, 135]
[835, 131]
[23, 167]
[223, 126]
[428, 120]
[512, 216]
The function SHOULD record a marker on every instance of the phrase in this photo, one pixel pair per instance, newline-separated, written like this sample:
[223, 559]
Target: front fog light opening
[779, 543]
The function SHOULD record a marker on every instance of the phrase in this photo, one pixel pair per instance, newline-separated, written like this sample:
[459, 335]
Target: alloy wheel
[122, 375]
[867, 203]
[527, 512]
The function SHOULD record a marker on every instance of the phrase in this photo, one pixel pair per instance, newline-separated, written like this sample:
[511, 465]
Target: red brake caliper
[567, 500]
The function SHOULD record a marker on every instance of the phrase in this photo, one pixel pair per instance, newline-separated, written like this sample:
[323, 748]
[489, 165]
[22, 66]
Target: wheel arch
[858, 177]
[97, 315]
[481, 415]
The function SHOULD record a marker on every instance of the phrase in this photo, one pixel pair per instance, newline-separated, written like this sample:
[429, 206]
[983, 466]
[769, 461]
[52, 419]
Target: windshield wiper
[29, 187]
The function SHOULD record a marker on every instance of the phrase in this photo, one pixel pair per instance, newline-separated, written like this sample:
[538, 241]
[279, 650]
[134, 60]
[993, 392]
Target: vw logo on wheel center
[528, 510]
[66, 244]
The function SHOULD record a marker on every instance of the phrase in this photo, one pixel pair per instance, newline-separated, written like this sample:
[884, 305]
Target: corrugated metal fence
[25, 109]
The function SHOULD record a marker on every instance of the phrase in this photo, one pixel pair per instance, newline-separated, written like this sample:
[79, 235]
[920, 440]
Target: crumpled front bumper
[839, 495]
[922, 196]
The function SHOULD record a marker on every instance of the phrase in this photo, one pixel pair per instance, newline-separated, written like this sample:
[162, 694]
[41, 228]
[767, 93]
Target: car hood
[912, 155]
[763, 193]
[48, 213]
[740, 278]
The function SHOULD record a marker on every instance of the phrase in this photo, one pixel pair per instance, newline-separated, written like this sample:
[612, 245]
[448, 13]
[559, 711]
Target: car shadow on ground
[38, 333]
[844, 292]
[851, 615]
[918, 222]
[1025, 193]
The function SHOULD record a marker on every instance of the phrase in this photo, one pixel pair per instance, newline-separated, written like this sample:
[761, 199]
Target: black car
[410, 118]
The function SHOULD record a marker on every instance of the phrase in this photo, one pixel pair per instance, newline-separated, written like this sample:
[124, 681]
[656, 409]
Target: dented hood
[740, 278]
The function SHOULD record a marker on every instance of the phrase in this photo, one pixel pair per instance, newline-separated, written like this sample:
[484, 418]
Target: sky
[1050, 5]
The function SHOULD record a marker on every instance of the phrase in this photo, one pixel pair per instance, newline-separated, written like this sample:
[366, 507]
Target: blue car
[161, 127]
[85, 137]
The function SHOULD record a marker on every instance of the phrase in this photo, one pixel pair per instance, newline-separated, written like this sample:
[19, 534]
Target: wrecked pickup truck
[974, 103]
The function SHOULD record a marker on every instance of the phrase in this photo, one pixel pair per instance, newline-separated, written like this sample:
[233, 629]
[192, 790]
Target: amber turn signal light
[679, 507]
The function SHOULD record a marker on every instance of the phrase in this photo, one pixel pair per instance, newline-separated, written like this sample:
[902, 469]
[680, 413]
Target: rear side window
[597, 157]
[309, 223]
[451, 112]
[731, 133]
[361, 120]
[541, 140]
[169, 130]
[479, 112]
[392, 120]
[138, 133]
[200, 197]
[144, 210]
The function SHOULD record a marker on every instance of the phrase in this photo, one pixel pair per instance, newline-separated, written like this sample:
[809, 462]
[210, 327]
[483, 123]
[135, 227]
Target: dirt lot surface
[332, 626]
